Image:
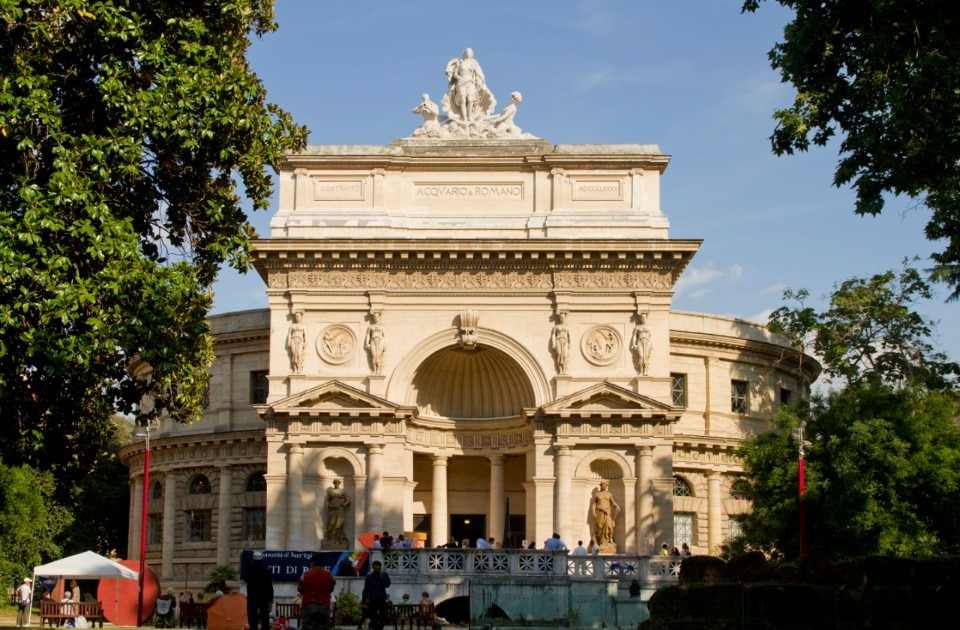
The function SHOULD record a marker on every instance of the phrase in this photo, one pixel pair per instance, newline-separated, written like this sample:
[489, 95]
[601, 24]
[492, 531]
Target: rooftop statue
[469, 107]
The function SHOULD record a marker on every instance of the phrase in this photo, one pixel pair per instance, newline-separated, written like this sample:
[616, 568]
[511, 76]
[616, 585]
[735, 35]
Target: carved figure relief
[376, 343]
[431, 119]
[560, 343]
[642, 344]
[297, 342]
[601, 345]
[337, 344]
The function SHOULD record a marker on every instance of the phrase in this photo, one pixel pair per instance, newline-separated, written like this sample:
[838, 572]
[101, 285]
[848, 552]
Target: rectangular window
[258, 387]
[197, 525]
[255, 523]
[678, 387]
[738, 396]
[683, 530]
[785, 396]
[154, 529]
[734, 528]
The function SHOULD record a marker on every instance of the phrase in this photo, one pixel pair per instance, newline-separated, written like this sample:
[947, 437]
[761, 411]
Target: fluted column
[645, 521]
[224, 517]
[375, 487]
[169, 523]
[561, 492]
[294, 492]
[440, 519]
[713, 512]
[495, 525]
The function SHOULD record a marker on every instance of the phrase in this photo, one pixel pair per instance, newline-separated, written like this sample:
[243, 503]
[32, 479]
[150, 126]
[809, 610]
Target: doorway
[469, 526]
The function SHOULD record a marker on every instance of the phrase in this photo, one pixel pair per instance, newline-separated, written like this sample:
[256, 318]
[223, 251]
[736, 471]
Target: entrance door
[469, 526]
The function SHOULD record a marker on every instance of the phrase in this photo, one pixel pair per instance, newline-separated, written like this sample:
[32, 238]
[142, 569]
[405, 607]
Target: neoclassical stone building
[466, 327]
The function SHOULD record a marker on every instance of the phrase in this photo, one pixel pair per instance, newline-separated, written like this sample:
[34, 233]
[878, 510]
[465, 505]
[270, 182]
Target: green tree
[883, 468]
[127, 129]
[885, 77]
[30, 521]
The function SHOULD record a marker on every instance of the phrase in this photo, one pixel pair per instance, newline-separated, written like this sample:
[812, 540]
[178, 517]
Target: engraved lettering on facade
[597, 190]
[468, 191]
[338, 190]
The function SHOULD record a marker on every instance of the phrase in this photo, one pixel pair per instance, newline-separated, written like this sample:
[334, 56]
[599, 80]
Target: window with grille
[198, 525]
[738, 396]
[200, 485]
[256, 482]
[154, 529]
[681, 488]
[678, 388]
[683, 529]
[734, 528]
[258, 387]
[255, 523]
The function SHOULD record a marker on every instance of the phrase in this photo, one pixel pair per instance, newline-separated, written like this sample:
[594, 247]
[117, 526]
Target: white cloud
[697, 282]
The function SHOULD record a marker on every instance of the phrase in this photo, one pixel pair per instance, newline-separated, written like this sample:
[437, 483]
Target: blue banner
[288, 566]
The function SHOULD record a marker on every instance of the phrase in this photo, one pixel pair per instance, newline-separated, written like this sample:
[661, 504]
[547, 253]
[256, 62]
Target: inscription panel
[338, 189]
[451, 191]
[597, 190]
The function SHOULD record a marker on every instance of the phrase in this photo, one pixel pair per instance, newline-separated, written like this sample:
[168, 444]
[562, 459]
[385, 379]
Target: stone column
[169, 523]
[132, 518]
[440, 519]
[359, 506]
[561, 492]
[137, 505]
[224, 516]
[375, 487]
[294, 492]
[495, 525]
[713, 512]
[645, 522]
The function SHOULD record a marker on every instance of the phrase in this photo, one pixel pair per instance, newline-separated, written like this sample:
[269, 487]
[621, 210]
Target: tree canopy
[128, 130]
[883, 466]
[885, 78]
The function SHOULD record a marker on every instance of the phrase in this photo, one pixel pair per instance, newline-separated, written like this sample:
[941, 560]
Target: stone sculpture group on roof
[469, 105]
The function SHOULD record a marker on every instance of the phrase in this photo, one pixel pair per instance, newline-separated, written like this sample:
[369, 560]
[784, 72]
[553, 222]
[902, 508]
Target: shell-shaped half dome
[463, 384]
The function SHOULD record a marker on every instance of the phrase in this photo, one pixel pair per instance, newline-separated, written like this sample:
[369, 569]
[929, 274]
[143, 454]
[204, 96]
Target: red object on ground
[108, 591]
[227, 612]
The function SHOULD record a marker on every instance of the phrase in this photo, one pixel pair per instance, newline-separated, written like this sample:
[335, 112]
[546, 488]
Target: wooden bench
[58, 613]
[194, 613]
[401, 614]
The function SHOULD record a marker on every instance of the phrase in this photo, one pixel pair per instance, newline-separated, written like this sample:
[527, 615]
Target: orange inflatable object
[126, 606]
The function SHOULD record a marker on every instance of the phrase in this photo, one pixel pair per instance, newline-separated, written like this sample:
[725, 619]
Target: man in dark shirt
[259, 593]
[375, 595]
[315, 587]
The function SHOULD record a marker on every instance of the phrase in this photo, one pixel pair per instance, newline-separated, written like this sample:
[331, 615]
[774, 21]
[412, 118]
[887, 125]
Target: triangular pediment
[336, 398]
[605, 399]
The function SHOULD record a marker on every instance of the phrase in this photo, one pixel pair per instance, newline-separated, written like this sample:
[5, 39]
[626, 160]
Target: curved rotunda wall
[480, 383]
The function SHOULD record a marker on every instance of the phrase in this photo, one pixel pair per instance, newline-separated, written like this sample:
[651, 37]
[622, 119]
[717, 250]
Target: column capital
[496, 460]
[440, 460]
[375, 449]
[644, 450]
[563, 450]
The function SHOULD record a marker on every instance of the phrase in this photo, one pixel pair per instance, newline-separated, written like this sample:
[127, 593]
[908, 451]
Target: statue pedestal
[329, 545]
[608, 548]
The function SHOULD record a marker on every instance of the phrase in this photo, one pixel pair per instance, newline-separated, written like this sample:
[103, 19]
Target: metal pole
[143, 526]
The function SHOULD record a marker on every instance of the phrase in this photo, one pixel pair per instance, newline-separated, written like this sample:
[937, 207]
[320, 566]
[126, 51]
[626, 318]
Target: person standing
[579, 550]
[554, 543]
[24, 600]
[259, 593]
[374, 595]
[316, 586]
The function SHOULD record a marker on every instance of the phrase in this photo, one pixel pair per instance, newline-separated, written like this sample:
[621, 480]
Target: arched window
[681, 488]
[256, 483]
[200, 485]
[738, 490]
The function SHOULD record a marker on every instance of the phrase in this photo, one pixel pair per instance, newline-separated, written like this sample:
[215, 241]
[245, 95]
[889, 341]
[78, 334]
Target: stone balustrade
[427, 563]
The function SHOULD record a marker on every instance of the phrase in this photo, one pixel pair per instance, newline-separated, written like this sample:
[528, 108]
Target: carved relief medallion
[337, 344]
[601, 345]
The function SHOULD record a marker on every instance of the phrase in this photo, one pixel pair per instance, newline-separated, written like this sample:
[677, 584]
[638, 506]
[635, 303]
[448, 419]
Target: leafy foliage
[218, 578]
[348, 609]
[886, 76]
[870, 331]
[883, 469]
[126, 128]
[30, 520]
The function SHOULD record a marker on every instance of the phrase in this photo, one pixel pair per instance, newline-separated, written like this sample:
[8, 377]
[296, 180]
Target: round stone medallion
[601, 345]
[337, 344]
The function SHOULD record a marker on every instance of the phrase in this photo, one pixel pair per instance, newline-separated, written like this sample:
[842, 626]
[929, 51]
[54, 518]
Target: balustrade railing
[522, 562]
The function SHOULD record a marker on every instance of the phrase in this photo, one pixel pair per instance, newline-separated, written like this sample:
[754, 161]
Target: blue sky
[689, 76]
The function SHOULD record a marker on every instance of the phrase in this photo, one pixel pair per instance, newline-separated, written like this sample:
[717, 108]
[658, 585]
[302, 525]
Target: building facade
[468, 331]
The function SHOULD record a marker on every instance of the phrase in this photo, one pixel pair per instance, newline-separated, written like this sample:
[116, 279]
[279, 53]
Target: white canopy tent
[88, 566]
